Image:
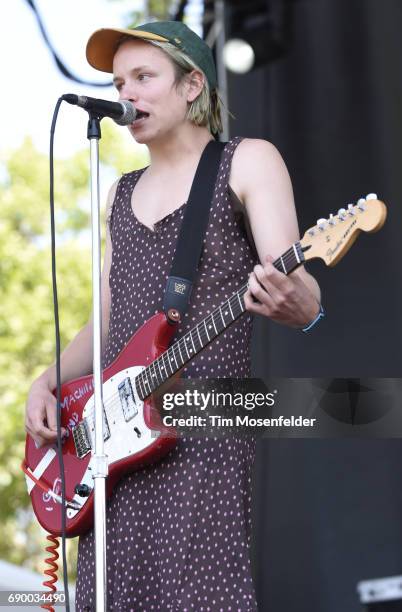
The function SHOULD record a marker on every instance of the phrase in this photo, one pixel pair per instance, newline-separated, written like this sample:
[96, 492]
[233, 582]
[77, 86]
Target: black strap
[192, 231]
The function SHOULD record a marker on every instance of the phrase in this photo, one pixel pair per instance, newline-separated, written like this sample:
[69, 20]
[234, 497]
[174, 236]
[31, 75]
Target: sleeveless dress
[178, 532]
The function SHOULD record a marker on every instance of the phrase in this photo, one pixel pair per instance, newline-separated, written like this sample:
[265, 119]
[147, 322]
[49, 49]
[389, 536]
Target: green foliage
[27, 324]
[155, 9]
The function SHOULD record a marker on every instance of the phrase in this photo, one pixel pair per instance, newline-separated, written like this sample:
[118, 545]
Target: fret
[147, 379]
[283, 265]
[218, 320]
[191, 350]
[153, 374]
[192, 341]
[294, 257]
[169, 361]
[174, 356]
[157, 372]
[226, 312]
[206, 330]
[162, 366]
[158, 363]
[141, 391]
[162, 359]
[181, 356]
[300, 251]
[150, 376]
[198, 331]
[185, 346]
[223, 320]
[142, 380]
[166, 363]
[296, 254]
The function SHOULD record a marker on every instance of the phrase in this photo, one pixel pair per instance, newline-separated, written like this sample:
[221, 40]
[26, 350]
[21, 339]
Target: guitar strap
[192, 232]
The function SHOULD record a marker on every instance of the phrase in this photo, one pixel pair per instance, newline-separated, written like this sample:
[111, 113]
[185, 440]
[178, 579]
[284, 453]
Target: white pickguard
[126, 437]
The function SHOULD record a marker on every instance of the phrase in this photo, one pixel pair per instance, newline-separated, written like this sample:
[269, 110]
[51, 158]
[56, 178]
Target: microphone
[123, 112]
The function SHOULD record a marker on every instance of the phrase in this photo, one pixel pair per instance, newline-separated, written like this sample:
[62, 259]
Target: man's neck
[180, 149]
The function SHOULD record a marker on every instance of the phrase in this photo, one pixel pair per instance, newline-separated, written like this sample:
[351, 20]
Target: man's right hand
[40, 414]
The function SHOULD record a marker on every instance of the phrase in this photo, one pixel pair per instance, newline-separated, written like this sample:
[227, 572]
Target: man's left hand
[284, 299]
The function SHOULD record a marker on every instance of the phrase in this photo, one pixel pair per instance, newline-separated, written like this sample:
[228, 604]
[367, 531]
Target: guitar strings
[286, 258]
[112, 403]
[181, 345]
[113, 400]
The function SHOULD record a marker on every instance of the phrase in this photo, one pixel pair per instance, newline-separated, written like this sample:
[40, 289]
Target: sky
[31, 79]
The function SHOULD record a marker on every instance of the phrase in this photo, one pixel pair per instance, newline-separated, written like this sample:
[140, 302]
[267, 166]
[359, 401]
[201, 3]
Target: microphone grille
[128, 115]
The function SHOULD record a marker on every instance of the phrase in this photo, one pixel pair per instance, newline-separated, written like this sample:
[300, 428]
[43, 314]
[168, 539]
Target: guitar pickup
[127, 400]
[106, 428]
[82, 440]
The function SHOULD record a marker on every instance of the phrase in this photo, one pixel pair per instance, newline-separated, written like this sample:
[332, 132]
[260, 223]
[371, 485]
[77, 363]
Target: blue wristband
[321, 315]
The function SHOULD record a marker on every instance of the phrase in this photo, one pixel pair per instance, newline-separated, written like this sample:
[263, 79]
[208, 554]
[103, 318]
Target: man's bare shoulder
[253, 161]
[110, 197]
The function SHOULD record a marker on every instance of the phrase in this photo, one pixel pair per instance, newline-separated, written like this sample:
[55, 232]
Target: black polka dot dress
[178, 532]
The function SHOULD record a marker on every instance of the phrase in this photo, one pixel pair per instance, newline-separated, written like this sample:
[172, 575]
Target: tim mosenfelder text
[214, 399]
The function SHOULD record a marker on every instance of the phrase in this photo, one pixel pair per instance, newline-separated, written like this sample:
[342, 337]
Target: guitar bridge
[82, 439]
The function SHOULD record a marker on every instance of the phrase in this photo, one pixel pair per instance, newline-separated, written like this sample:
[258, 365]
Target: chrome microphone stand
[99, 463]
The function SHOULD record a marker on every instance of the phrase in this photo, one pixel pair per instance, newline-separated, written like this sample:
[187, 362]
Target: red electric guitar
[133, 431]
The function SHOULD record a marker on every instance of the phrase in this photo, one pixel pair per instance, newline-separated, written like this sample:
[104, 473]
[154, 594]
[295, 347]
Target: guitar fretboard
[189, 345]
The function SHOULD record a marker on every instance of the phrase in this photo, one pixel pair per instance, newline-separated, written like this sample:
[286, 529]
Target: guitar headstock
[331, 238]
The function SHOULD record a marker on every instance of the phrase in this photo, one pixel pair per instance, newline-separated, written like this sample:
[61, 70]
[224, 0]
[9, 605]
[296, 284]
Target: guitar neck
[194, 341]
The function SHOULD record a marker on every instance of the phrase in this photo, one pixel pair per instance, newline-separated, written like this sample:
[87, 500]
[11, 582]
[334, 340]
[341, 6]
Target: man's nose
[128, 92]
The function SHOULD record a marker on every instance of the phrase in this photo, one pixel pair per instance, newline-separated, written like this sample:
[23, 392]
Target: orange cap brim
[102, 45]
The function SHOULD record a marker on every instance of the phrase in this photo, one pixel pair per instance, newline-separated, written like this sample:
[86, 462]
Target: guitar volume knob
[82, 490]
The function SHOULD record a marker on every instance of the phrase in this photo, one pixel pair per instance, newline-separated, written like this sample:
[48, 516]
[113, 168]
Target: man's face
[145, 75]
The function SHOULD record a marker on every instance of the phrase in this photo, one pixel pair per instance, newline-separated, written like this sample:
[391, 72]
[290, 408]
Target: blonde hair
[206, 109]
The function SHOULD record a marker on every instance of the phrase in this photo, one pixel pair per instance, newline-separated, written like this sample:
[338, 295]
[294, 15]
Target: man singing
[178, 531]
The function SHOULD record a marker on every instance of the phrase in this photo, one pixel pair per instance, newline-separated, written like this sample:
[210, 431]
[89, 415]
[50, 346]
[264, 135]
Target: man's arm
[76, 360]
[261, 180]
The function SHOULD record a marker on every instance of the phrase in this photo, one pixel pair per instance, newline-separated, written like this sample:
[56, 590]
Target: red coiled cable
[52, 571]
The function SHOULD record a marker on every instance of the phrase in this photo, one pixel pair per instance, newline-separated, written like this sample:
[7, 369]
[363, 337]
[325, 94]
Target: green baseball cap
[103, 43]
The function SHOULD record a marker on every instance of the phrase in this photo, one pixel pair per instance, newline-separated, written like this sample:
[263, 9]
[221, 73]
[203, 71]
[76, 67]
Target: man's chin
[142, 136]
[138, 135]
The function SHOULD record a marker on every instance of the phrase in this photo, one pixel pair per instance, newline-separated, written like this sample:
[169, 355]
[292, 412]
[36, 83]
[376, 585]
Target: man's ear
[195, 84]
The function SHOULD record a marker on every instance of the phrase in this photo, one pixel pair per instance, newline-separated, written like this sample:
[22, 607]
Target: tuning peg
[321, 224]
[331, 219]
[342, 214]
[351, 210]
[371, 196]
[361, 204]
[311, 231]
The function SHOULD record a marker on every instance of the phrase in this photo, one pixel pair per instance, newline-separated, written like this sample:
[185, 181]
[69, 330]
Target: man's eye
[143, 77]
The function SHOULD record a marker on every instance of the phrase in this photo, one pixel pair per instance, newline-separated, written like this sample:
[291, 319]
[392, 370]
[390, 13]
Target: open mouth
[141, 115]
